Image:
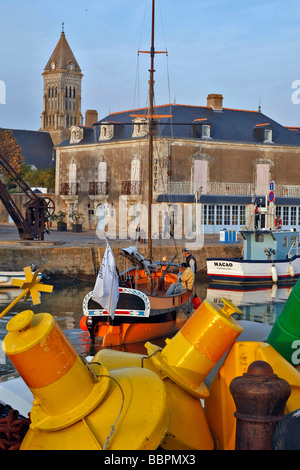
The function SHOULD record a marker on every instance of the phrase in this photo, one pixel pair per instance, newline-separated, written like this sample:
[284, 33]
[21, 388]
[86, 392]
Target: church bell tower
[62, 92]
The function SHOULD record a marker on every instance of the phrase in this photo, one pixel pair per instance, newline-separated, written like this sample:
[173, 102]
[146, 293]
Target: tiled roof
[227, 125]
[36, 147]
[62, 55]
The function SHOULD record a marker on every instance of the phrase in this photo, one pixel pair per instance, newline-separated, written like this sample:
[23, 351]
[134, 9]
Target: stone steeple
[62, 92]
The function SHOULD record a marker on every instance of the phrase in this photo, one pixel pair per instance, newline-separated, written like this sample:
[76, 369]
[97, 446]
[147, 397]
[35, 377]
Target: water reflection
[257, 303]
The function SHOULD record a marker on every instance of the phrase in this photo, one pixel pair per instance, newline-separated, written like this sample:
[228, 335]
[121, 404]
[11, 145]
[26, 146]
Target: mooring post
[260, 397]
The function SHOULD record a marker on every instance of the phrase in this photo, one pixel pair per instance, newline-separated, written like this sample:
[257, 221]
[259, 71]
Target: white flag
[106, 290]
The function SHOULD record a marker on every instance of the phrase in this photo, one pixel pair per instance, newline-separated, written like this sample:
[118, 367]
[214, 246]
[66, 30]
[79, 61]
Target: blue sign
[272, 186]
[271, 196]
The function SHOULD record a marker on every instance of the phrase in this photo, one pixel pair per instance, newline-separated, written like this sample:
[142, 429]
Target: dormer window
[107, 131]
[140, 127]
[76, 135]
[264, 133]
[202, 128]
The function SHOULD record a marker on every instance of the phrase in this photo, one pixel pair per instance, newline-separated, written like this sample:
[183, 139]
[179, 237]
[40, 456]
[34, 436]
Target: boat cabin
[270, 244]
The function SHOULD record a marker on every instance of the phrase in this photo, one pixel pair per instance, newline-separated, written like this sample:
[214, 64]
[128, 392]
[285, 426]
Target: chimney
[215, 101]
[91, 117]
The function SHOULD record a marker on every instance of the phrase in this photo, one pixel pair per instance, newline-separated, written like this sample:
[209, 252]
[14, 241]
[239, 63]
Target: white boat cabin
[270, 244]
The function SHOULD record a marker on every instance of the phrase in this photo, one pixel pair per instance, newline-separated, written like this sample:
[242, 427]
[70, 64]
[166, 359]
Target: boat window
[126, 301]
[259, 237]
[284, 241]
[294, 241]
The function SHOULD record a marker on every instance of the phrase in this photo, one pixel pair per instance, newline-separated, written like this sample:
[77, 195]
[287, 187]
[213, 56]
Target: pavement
[10, 235]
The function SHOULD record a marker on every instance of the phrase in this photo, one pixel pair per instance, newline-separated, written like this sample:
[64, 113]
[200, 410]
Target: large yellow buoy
[183, 364]
[198, 346]
[82, 406]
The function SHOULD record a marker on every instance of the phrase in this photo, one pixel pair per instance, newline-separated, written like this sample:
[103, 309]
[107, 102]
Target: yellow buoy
[82, 406]
[198, 346]
[183, 364]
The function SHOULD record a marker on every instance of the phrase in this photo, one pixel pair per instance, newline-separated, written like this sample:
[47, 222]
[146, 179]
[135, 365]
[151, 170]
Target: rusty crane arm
[38, 209]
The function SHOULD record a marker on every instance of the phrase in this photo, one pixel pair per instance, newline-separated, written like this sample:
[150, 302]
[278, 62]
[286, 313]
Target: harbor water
[260, 304]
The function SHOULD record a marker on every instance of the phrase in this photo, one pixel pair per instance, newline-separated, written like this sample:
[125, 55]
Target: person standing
[167, 223]
[190, 260]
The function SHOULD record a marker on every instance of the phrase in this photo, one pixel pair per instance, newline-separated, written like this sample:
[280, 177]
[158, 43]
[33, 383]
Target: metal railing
[69, 189]
[131, 188]
[233, 189]
[98, 188]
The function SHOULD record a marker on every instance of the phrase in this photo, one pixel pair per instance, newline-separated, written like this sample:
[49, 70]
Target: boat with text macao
[269, 256]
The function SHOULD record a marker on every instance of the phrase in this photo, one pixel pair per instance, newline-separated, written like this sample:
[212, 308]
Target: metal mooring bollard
[260, 397]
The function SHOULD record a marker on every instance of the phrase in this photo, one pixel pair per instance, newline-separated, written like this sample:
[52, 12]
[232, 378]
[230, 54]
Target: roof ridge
[140, 109]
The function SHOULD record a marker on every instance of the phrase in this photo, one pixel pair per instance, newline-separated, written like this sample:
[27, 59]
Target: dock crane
[38, 209]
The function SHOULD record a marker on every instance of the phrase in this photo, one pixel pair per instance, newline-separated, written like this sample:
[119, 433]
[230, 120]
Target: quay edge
[83, 262]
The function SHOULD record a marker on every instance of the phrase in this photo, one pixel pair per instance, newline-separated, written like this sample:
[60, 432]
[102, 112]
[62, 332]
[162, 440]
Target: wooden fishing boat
[144, 309]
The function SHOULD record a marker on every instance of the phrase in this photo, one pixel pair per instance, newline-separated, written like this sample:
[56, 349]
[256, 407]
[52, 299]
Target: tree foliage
[11, 151]
[44, 177]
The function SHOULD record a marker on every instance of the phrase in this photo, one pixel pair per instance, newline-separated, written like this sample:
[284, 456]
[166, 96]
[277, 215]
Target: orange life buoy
[278, 222]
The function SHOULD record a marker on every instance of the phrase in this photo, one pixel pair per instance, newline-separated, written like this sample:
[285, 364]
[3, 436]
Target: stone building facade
[203, 155]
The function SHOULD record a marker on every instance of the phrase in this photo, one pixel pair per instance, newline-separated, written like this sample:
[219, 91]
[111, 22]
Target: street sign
[272, 186]
[271, 196]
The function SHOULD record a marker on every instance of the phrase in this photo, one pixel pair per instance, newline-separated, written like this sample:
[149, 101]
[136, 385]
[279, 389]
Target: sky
[246, 50]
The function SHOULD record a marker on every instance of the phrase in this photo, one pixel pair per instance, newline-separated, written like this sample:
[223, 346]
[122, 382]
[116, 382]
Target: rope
[113, 427]
[12, 430]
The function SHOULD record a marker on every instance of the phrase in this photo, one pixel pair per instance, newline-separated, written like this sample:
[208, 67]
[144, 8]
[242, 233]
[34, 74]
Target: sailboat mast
[151, 100]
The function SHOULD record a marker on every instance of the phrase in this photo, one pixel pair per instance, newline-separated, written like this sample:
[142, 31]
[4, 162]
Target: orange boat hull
[125, 333]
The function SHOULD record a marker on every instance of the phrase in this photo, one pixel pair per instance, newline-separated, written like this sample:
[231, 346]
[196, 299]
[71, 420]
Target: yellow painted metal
[220, 407]
[31, 287]
[26, 330]
[183, 364]
[78, 405]
[188, 429]
[140, 398]
[198, 346]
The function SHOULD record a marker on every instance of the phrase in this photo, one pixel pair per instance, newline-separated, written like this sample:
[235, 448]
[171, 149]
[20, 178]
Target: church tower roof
[62, 58]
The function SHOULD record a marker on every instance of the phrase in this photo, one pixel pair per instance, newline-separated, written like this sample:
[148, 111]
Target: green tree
[44, 177]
